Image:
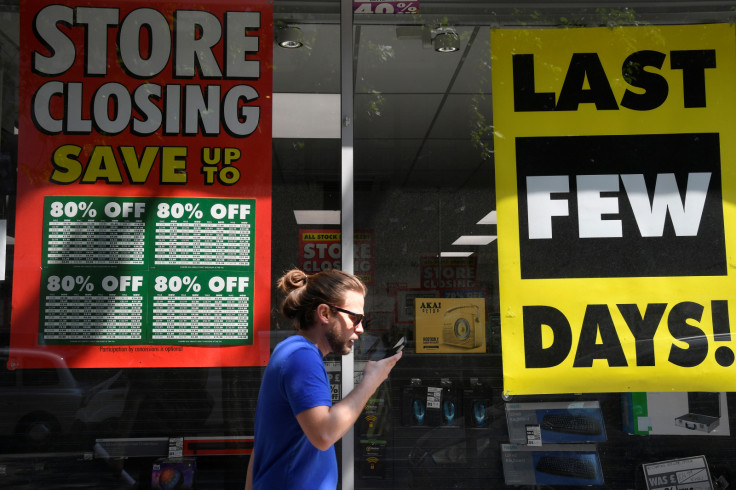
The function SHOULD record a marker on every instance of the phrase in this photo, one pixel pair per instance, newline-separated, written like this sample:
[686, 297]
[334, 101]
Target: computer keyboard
[567, 466]
[571, 424]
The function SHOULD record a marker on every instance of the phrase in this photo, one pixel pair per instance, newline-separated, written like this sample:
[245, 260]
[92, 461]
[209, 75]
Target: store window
[425, 135]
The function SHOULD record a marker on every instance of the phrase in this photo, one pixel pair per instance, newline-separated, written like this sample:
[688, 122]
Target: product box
[477, 407]
[450, 325]
[421, 406]
[554, 464]
[668, 413]
[372, 460]
[171, 473]
[432, 406]
[556, 422]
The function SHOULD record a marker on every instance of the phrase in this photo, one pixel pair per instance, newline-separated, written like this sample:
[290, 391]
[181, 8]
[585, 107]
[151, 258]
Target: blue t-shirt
[295, 380]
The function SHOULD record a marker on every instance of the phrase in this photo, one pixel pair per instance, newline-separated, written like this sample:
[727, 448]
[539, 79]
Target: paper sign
[615, 183]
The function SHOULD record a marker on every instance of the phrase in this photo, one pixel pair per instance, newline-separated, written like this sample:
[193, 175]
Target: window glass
[425, 186]
[425, 243]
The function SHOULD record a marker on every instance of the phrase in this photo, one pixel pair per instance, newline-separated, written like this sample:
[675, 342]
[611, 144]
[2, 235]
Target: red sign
[151, 120]
[322, 250]
[449, 272]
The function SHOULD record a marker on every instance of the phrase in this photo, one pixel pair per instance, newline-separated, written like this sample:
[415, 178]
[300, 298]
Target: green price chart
[145, 270]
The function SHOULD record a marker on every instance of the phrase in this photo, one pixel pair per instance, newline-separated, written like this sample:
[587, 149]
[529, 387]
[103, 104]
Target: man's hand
[378, 371]
[324, 426]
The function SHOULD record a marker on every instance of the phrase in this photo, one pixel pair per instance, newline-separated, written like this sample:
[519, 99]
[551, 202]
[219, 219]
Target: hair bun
[293, 279]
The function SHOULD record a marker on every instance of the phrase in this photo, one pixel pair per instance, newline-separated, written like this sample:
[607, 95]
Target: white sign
[678, 474]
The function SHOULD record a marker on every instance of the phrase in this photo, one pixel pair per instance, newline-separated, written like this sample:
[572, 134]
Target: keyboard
[571, 424]
[567, 466]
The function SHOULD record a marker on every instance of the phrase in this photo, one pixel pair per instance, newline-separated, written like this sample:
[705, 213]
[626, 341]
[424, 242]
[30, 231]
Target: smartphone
[398, 347]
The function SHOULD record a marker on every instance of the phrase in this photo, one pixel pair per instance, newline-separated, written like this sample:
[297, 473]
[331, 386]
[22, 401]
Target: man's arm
[249, 474]
[324, 426]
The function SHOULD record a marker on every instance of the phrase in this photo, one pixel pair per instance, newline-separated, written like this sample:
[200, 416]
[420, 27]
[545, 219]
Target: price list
[147, 271]
[74, 236]
[201, 309]
[184, 238]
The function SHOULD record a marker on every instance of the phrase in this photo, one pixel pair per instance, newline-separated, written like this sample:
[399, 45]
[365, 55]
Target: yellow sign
[450, 325]
[615, 188]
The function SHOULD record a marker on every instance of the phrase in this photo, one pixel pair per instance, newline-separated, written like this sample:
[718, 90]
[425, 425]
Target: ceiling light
[489, 219]
[475, 240]
[289, 37]
[317, 217]
[445, 40]
[456, 254]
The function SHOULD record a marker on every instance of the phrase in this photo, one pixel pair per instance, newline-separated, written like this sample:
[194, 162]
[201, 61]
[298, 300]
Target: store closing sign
[615, 191]
[144, 183]
[321, 249]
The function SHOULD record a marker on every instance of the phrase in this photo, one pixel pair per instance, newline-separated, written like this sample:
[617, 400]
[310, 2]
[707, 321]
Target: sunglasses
[355, 317]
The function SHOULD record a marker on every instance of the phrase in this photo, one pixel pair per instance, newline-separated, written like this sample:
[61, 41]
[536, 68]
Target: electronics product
[414, 406]
[477, 406]
[372, 460]
[462, 327]
[418, 411]
[452, 413]
[555, 422]
[571, 424]
[567, 466]
[450, 326]
[704, 412]
[551, 464]
[675, 413]
[480, 413]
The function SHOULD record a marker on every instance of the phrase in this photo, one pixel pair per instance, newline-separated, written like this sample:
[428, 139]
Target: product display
[694, 413]
[452, 405]
[558, 422]
[414, 406]
[445, 405]
[555, 464]
[477, 405]
[704, 412]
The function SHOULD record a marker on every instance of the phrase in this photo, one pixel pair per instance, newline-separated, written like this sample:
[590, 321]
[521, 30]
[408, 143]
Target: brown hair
[305, 293]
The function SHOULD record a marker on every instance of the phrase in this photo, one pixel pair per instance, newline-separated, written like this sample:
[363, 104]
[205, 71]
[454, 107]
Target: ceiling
[423, 119]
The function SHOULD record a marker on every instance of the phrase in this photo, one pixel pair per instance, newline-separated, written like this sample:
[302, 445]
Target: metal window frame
[347, 222]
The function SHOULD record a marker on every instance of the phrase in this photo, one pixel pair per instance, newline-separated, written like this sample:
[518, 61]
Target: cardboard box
[555, 422]
[668, 413]
[450, 325]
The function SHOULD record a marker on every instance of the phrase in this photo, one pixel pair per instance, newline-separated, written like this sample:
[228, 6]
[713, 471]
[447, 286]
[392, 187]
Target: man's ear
[322, 314]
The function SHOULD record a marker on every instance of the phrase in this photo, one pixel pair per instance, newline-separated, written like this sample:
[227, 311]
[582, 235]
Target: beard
[338, 344]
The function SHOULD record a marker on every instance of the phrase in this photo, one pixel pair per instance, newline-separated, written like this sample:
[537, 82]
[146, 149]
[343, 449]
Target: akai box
[554, 464]
[555, 422]
[450, 325]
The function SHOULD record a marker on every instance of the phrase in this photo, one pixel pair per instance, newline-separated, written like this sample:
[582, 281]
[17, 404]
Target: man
[296, 423]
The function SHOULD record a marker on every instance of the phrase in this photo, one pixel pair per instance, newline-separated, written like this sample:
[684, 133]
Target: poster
[615, 186]
[321, 249]
[449, 272]
[144, 183]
